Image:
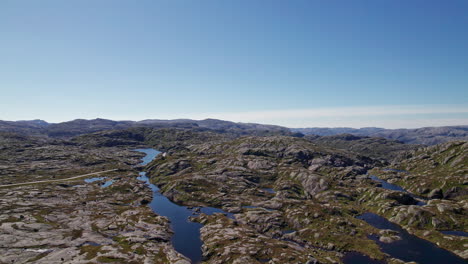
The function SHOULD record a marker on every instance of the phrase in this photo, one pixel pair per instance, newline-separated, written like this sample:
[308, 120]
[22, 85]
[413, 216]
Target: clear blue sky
[284, 62]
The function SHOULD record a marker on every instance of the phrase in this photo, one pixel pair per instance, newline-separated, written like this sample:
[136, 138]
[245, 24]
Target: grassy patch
[90, 251]
[103, 259]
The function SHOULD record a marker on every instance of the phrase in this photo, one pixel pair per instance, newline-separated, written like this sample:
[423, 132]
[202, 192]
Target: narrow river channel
[186, 238]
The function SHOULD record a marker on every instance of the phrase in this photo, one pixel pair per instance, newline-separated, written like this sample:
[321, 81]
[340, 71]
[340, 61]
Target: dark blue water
[186, 239]
[269, 190]
[455, 233]
[410, 247]
[90, 244]
[256, 207]
[394, 187]
[387, 185]
[358, 258]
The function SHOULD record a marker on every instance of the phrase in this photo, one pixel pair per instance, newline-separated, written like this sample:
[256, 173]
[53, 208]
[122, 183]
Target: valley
[205, 195]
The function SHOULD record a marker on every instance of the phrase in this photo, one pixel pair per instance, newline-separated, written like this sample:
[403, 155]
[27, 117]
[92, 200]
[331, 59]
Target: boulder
[436, 194]
[401, 197]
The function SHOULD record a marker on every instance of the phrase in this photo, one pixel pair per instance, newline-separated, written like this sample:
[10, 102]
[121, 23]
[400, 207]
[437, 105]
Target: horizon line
[208, 118]
[388, 116]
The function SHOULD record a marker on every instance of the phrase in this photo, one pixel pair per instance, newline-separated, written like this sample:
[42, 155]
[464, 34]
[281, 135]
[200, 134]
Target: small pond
[455, 233]
[393, 187]
[269, 190]
[90, 180]
[107, 183]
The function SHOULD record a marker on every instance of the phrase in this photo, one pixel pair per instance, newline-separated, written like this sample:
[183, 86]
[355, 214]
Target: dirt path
[59, 180]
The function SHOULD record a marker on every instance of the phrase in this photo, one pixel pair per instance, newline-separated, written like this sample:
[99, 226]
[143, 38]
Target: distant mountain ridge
[83, 126]
[425, 135]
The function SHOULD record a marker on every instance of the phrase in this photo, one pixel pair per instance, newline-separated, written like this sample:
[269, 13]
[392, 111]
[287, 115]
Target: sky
[298, 63]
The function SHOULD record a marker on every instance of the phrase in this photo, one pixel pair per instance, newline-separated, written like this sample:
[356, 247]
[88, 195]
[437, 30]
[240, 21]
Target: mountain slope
[82, 126]
[375, 147]
[436, 172]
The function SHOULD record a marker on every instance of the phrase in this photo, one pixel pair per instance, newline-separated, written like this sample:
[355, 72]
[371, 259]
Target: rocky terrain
[437, 174]
[237, 176]
[169, 139]
[78, 222]
[375, 147]
[287, 198]
[103, 219]
[78, 127]
[26, 158]
[434, 172]
[289, 190]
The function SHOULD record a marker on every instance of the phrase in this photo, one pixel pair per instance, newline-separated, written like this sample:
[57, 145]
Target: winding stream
[186, 239]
